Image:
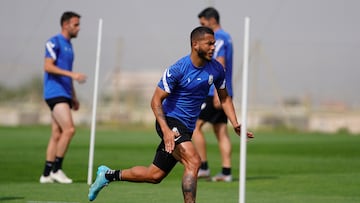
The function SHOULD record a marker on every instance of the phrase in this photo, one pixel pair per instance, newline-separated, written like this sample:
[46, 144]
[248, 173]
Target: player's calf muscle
[189, 188]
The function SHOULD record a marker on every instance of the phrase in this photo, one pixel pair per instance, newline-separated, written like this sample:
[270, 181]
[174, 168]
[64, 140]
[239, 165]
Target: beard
[73, 35]
[203, 55]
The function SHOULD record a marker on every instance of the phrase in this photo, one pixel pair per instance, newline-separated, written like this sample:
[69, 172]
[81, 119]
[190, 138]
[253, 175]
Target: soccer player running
[59, 94]
[176, 105]
[212, 110]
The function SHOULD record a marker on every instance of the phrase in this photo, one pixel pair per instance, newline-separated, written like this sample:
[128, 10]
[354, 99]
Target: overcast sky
[298, 47]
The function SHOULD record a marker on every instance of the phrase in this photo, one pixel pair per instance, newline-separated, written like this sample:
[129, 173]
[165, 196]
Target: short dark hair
[210, 12]
[67, 15]
[199, 32]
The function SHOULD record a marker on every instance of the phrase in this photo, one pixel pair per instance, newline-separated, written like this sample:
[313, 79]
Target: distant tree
[28, 91]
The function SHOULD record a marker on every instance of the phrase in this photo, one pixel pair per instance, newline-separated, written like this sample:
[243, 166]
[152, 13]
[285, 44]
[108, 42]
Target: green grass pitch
[282, 167]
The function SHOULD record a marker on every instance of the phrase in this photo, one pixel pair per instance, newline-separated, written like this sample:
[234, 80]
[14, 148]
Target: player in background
[59, 94]
[212, 111]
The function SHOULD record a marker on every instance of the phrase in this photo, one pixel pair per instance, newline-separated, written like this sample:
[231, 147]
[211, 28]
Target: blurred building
[126, 99]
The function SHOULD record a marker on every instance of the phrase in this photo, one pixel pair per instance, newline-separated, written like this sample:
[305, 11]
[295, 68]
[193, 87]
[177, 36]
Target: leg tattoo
[189, 188]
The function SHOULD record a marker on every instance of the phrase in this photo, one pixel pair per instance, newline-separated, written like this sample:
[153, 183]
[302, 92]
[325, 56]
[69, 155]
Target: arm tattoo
[159, 113]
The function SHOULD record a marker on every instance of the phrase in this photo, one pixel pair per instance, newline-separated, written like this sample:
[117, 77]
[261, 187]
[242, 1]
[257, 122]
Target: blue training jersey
[224, 48]
[60, 49]
[188, 87]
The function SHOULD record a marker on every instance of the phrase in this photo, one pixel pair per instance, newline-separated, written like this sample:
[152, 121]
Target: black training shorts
[163, 159]
[53, 101]
[211, 114]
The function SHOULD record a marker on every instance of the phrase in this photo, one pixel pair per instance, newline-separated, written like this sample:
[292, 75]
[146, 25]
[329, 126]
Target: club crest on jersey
[211, 79]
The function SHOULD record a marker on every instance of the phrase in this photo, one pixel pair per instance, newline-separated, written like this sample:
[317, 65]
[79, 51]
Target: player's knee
[70, 131]
[55, 133]
[197, 164]
[194, 163]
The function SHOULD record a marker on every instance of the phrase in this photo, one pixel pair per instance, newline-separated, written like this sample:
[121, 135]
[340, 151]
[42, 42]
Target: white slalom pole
[244, 113]
[93, 118]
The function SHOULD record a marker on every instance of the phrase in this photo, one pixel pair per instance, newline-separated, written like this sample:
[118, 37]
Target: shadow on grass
[259, 178]
[81, 180]
[10, 198]
[262, 177]
[248, 178]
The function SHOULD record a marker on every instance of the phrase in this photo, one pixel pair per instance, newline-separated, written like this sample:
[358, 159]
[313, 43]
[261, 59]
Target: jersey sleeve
[220, 48]
[220, 82]
[170, 78]
[51, 48]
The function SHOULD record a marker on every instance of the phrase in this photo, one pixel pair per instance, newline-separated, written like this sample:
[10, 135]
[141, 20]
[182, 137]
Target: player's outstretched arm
[229, 109]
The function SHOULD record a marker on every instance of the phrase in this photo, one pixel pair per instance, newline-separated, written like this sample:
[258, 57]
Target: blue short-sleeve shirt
[60, 49]
[188, 87]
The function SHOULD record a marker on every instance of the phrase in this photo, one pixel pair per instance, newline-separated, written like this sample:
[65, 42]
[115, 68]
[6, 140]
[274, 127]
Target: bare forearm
[51, 68]
[228, 106]
[156, 106]
[159, 114]
[229, 110]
